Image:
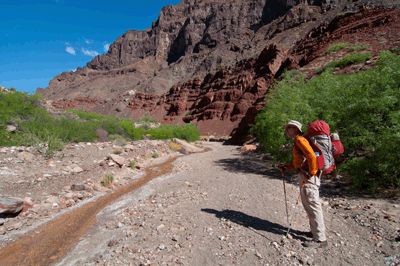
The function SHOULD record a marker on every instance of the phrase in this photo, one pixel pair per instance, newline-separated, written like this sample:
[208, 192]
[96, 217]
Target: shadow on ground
[256, 224]
[254, 164]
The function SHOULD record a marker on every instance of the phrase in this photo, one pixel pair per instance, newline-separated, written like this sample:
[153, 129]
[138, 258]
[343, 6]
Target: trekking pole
[294, 212]
[284, 190]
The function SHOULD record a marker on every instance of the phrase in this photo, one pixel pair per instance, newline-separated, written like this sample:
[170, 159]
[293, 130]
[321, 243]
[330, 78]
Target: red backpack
[325, 145]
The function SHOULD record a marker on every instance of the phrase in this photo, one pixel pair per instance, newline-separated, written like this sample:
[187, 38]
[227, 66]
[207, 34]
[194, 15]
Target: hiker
[305, 162]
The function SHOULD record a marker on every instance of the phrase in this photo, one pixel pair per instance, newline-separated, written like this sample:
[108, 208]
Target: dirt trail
[227, 208]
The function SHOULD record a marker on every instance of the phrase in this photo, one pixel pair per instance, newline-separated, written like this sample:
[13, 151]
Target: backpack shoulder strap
[297, 147]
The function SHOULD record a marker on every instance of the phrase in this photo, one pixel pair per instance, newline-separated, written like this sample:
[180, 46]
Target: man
[305, 161]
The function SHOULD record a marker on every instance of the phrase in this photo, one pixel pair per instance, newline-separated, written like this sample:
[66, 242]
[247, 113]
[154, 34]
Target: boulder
[185, 147]
[11, 205]
[118, 159]
[103, 135]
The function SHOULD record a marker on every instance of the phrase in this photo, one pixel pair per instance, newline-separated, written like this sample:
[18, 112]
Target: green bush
[359, 46]
[362, 107]
[347, 60]
[160, 133]
[188, 132]
[36, 127]
[336, 47]
[130, 130]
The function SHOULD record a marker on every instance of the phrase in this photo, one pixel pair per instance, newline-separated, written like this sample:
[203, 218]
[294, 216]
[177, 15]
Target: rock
[53, 200]
[129, 147]
[28, 200]
[11, 128]
[160, 227]
[103, 135]
[77, 170]
[118, 159]
[26, 156]
[186, 148]
[78, 187]
[2, 230]
[112, 243]
[11, 205]
[70, 202]
[17, 226]
[248, 148]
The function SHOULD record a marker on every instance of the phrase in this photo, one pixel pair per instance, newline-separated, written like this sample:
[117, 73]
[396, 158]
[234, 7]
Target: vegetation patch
[36, 127]
[359, 46]
[347, 60]
[107, 180]
[362, 107]
[175, 147]
[336, 47]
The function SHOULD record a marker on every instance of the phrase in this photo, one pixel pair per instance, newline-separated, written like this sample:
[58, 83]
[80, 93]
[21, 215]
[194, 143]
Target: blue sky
[43, 38]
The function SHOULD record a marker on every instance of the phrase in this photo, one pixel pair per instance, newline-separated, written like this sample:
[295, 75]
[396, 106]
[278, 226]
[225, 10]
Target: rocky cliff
[187, 41]
[212, 62]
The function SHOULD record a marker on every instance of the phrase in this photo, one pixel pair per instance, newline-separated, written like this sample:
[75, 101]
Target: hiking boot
[309, 234]
[315, 244]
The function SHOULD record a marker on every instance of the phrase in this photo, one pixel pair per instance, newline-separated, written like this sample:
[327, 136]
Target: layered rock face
[187, 41]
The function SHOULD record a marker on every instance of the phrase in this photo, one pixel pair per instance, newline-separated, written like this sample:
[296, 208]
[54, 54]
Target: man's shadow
[255, 223]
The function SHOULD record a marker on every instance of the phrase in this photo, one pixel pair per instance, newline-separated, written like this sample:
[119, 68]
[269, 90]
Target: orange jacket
[309, 154]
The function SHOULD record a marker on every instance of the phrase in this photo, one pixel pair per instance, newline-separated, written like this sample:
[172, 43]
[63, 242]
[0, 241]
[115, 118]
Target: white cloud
[70, 50]
[88, 41]
[90, 53]
[106, 47]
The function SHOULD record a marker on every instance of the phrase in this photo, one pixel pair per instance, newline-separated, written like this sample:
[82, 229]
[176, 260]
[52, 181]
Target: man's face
[291, 132]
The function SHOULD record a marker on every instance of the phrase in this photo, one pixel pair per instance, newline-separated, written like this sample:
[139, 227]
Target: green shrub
[117, 151]
[107, 180]
[132, 164]
[362, 107]
[395, 50]
[155, 155]
[336, 47]
[147, 118]
[117, 139]
[130, 130]
[359, 46]
[188, 132]
[347, 60]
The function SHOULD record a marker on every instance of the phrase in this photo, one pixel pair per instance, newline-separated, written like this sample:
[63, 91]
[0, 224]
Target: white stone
[26, 156]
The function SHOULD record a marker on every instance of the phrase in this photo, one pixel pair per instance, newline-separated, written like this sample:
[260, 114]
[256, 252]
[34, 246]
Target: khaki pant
[312, 205]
